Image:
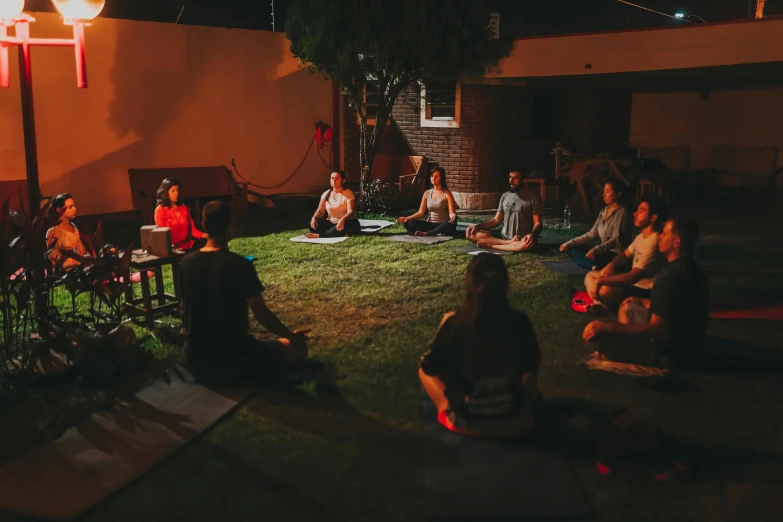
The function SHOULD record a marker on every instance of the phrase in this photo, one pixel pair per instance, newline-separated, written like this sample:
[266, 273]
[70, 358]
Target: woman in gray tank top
[439, 203]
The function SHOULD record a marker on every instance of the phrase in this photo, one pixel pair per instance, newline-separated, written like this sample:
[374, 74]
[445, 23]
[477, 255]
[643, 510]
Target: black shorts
[635, 291]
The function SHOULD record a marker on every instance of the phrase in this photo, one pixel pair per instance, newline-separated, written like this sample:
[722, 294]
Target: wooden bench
[197, 183]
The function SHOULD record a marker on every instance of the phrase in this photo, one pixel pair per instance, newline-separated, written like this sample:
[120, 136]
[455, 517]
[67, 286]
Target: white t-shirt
[337, 203]
[645, 256]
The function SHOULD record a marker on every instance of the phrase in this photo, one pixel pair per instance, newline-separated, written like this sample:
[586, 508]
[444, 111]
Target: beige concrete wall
[752, 41]
[164, 95]
[743, 117]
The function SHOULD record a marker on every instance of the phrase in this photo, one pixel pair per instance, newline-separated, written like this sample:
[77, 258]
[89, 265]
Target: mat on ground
[474, 250]
[565, 267]
[61, 479]
[318, 240]
[422, 240]
[491, 480]
[373, 225]
[749, 313]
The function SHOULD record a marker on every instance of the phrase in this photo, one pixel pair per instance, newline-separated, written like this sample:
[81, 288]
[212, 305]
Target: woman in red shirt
[171, 213]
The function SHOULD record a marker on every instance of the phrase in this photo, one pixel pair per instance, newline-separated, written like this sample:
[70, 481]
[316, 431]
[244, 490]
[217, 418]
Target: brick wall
[474, 155]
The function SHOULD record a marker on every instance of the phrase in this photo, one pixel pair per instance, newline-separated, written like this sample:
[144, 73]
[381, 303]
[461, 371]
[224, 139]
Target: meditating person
[217, 287]
[482, 369]
[609, 286]
[64, 236]
[339, 205]
[667, 330]
[439, 202]
[171, 212]
[612, 230]
[520, 213]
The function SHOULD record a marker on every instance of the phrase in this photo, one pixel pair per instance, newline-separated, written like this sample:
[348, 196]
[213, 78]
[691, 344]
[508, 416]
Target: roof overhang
[698, 46]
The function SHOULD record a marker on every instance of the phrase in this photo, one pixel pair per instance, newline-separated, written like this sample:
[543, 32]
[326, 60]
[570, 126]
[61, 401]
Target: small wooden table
[143, 306]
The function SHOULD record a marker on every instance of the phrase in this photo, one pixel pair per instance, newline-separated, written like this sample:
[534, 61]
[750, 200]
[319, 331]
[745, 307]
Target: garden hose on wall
[322, 139]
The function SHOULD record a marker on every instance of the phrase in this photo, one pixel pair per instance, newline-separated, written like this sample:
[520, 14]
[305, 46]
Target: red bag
[580, 300]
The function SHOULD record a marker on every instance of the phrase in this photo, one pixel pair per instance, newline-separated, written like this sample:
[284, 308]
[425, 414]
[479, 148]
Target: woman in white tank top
[439, 202]
[339, 205]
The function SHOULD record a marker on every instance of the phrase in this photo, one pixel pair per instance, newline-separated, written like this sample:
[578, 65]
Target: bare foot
[312, 236]
[420, 233]
[483, 244]
[597, 309]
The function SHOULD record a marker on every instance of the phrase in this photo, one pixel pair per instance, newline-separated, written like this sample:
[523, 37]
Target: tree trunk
[364, 163]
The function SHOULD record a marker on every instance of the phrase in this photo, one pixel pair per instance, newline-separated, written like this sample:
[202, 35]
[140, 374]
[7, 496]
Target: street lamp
[76, 13]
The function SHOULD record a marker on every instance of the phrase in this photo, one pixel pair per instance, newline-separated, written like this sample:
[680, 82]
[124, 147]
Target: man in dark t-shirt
[217, 286]
[675, 316]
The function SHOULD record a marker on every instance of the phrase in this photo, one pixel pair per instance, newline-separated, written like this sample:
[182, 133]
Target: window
[440, 105]
[372, 98]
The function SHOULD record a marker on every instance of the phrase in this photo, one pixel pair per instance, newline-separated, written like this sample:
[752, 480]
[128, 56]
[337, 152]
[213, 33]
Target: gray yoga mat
[565, 267]
[373, 225]
[61, 479]
[474, 250]
[422, 240]
[491, 480]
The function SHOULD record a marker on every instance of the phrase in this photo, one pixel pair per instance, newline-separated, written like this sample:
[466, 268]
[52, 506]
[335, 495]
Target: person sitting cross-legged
[439, 202]
[668, 330]
[520, 213]
[612, 232]
[482, 369]
[339, 205]
[217, 287]
[609, 286]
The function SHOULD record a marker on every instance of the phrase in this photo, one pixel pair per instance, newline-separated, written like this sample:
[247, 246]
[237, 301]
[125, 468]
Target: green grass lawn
[356, 455]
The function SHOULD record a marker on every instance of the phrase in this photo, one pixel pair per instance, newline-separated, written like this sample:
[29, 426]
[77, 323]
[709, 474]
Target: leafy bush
[379, 197]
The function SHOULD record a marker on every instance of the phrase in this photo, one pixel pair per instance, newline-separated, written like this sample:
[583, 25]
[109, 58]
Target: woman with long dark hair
[339, 205]
[439, 203]
[172, 213]
[612, 232]
[64, 236]
[482, 369]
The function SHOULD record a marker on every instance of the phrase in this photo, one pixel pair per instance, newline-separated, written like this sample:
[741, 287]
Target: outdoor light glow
[79, 9]
[10, 9]
[679, 15]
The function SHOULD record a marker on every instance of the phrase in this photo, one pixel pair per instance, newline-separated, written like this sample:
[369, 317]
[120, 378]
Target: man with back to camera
[217, 287]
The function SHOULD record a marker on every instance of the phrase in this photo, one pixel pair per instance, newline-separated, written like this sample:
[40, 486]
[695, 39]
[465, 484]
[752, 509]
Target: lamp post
[76, 13]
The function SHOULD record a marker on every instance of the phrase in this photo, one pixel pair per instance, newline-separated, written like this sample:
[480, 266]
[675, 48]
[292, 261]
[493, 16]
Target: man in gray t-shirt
[520, 212]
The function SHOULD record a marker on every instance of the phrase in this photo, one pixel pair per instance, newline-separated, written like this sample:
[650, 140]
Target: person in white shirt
[339, 205]
[609, 286]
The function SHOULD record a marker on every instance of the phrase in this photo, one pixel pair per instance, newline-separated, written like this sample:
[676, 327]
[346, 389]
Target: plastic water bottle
[567, 218]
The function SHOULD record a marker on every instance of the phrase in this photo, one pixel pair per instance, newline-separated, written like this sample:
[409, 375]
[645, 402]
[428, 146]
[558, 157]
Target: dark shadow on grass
[294, 499]
[614, 437]
[331, 417]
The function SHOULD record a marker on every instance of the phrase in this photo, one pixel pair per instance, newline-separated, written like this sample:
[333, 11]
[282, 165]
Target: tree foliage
[396, 42]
